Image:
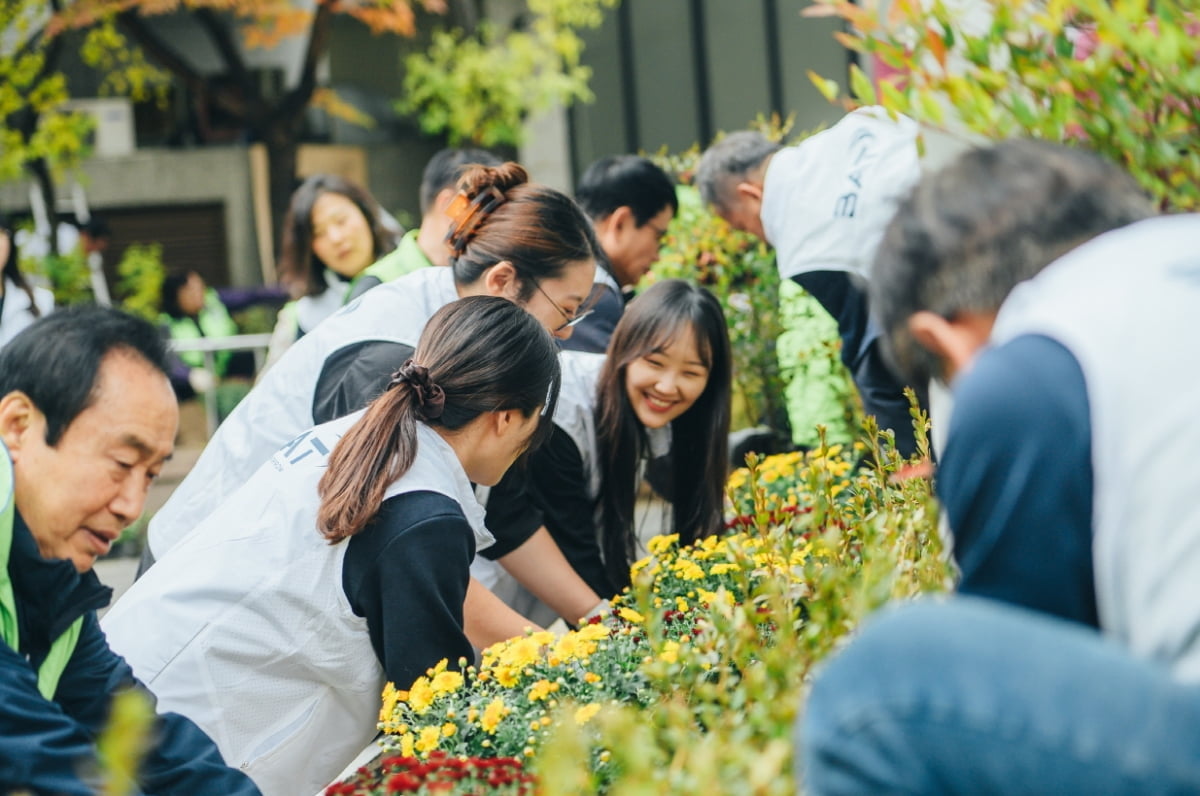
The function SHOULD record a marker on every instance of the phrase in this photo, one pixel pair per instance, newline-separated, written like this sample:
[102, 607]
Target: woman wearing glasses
[662, 387]
[512, 239]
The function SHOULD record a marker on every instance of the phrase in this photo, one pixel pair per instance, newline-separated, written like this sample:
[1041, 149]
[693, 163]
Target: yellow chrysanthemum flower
[592, 632]
[662, 543]
[493, 714]
[630, 615]
[428, 741]
[541, 689]
[688, 570]
[669, 652]
[446, 682]
[420, 695]
[585, 714]
[507, 676]
[391, 697]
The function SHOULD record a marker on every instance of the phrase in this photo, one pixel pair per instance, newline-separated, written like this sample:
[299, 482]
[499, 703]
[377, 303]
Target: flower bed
[692, 683]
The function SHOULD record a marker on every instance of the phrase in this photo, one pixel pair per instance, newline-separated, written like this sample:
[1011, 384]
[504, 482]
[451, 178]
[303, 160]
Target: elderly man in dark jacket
[87, 418]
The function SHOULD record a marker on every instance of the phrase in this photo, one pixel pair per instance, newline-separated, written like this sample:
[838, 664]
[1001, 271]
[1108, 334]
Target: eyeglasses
[569, 320]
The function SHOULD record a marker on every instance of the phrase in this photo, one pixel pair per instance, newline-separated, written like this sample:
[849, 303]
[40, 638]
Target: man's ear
[622, 219]
[750, 190]
[955, 343]
[443, 198]
[501, 280]
[17, 413]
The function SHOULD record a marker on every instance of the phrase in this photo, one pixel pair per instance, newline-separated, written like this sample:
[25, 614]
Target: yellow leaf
[829, 88]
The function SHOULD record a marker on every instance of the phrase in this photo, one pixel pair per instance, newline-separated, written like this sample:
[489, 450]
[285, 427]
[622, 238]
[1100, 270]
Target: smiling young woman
[662, 388]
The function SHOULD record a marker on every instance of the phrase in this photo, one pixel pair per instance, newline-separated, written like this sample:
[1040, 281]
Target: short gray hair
[994, 217]
[730, 161]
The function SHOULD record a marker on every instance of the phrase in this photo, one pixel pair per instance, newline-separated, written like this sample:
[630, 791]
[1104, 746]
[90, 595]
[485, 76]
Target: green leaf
[861, 86]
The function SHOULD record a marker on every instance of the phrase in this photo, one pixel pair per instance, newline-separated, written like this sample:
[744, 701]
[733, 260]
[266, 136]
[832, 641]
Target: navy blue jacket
[49, 746]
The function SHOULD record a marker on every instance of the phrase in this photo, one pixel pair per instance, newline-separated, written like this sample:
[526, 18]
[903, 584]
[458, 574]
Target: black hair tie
[431, 399]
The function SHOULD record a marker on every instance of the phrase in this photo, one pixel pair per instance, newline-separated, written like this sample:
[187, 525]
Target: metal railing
[210, 347]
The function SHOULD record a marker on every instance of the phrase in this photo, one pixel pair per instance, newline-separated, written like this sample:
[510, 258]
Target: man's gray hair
[994, 217]
[730, 161]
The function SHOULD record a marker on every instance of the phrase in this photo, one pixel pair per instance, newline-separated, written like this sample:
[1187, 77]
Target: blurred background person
[426, 245]
[631, 203]
[192, 310]
[333, 231]
[20, 302]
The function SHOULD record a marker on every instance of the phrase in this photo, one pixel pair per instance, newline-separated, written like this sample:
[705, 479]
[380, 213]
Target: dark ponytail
[699, 437]
[499, 216]
[478, 354]
[12, 271]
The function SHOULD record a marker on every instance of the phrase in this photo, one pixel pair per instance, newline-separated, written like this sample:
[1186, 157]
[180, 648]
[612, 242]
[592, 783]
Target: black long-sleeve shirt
[407, 574]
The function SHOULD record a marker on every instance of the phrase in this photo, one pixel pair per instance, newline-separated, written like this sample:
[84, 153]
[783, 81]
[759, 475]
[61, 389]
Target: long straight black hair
[487, 355]
[10, 268]
[699, 436]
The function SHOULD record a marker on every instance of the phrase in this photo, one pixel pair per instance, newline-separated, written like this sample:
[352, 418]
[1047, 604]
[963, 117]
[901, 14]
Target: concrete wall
[163, 177]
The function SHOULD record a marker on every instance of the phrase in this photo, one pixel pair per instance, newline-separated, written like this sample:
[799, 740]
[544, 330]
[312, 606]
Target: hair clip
[468, 214]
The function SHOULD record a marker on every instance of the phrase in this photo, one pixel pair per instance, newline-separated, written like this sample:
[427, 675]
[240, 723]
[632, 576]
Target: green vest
[404, 259]
[214, 321]
[63, 647]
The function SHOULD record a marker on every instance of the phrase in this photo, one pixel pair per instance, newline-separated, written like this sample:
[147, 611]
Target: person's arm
[182, 758]
[488, 619]
[558, 486]
[237, 299]
[541, 567]
[1016, 480]
[525, 548]
[354, 376]
[41, 748]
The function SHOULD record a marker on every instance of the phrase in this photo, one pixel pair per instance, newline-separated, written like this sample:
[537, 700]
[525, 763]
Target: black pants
[844, 297]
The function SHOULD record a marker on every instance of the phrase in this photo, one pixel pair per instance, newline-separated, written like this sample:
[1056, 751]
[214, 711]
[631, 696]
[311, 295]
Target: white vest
[575, 413]
[17, 310]
[244, 626]
[827, 200]
[280, 405]
[1125, 305]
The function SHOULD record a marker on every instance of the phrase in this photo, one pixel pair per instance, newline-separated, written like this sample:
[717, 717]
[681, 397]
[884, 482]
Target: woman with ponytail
[343, 561]
[20, 303]
[527, 243]
[662, 387]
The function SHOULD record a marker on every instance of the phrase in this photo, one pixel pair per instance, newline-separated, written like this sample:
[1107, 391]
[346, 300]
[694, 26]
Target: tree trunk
[281, 162]
[41, 174]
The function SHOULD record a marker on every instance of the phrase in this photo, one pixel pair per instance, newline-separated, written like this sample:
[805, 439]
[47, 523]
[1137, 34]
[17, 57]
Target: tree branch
[296, 100]
[158, 49]
[168, 58]
[222, 38]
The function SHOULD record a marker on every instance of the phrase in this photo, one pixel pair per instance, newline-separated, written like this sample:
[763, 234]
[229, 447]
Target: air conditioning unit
[113, 135]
